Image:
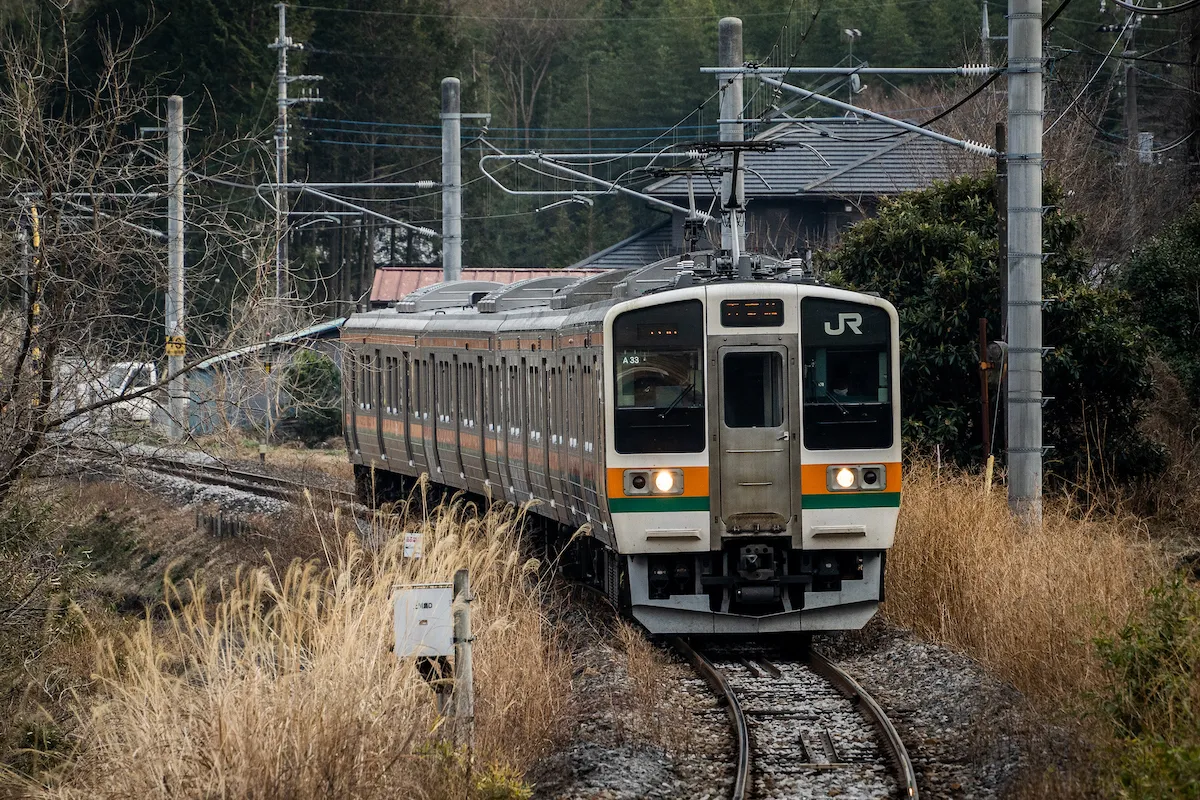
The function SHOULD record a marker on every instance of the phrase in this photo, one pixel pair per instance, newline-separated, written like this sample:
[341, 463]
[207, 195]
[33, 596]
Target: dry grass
[286, 686]
[1027, 603]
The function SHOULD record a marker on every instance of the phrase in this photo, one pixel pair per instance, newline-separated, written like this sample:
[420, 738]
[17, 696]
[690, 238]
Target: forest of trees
[561, 75]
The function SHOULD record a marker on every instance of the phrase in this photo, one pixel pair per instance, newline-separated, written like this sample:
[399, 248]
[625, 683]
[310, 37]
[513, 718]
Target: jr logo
[851, 321]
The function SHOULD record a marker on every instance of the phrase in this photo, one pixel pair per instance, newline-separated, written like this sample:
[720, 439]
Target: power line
[1107, 56]
[1161, 11]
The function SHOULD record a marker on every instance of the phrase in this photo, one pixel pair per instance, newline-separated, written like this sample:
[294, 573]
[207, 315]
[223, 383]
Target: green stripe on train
[855, 500]
[623, 505]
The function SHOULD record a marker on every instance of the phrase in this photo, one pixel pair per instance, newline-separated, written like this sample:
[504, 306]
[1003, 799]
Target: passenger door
[755, 439]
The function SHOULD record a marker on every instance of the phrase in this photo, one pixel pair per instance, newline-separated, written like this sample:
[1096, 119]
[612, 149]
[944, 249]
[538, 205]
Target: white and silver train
[729, 433]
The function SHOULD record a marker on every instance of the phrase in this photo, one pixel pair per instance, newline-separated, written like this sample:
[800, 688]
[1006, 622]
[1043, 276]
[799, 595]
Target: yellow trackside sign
[176, 346]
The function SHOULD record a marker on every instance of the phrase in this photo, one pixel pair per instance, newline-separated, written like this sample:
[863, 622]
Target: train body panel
[732, 445]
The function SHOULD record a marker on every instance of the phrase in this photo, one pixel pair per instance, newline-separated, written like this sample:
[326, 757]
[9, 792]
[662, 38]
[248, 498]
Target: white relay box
[424, 620]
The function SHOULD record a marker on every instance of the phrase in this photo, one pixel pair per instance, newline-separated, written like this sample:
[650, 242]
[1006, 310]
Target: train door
[488, 430]
[505, 424]
[456, 409]
[416, 404]
[754, 440]
[377, 399]
[405, 411]
[479, 418]
[574, 462]
[355, 360]
[521, 379]
[595, 445]
[545, 389]
[429, 416]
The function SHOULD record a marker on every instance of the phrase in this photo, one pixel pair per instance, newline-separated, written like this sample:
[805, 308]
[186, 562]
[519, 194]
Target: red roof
[392, 283]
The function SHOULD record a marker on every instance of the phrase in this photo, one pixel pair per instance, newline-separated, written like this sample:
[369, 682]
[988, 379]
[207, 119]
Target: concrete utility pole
[1024, 406]
[451, 179]
[283, 103]
[733, 184]
[178, 424]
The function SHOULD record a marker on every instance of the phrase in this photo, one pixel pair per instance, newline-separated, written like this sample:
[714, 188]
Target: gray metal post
[1002, 222]
[1133, 211]
[733, 185]
[176, 341]
[281, 152]
[1024, 398]
[451, 179]
[464, 687]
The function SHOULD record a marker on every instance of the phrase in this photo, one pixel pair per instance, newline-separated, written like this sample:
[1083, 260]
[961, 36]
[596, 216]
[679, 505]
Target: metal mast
[176, 339]
[1024, 407]
[733, 186]
[283, 103]
[451, 179]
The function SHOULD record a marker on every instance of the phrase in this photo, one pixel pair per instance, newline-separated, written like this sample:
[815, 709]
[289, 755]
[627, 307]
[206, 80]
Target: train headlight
[845, 478]
[856, 478]
[653, 481]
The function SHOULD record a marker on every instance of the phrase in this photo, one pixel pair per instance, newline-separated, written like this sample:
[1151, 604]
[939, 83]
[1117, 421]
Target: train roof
[556, 301]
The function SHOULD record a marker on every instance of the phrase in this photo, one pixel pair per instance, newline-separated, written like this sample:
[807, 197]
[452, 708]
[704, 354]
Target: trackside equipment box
[423, 620]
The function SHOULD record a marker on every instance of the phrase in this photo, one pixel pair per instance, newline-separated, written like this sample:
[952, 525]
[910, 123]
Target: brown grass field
[286, 686]
[1026, 603]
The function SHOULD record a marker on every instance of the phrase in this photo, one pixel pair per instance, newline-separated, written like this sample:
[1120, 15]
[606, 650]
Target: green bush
[1163, 278]
[934, 254]
[314, 385]
[1151, 700]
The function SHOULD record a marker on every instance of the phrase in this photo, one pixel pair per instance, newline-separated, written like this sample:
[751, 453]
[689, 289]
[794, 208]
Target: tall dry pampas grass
[287, 687]
[1027, 603]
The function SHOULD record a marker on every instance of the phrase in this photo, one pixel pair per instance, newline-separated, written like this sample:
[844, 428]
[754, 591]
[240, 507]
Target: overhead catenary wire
[1161, 11]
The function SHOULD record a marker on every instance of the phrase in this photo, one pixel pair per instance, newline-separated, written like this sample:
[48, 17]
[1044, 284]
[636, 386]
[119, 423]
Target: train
[715, 438]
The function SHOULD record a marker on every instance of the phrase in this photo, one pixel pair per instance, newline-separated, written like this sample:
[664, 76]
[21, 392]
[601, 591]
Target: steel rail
[716, 681]
[872, 710]
[242, 480]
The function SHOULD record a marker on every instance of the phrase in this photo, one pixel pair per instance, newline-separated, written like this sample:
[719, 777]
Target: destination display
[757, 313]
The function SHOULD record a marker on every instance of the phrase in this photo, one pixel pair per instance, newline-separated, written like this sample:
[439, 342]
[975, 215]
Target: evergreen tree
[934, 255]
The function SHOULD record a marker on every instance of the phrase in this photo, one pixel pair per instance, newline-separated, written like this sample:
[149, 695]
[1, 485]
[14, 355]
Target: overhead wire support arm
[308, 188]
[971, 147]
[300, 187]
[549, 162]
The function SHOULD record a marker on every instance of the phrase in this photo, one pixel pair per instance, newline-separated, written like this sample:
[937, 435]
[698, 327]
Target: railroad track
[218, 474]
[802, 727]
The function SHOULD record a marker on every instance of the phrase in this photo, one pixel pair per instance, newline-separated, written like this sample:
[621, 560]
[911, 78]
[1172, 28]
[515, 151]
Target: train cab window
[753, 389]
[847, 382]
[659, 369]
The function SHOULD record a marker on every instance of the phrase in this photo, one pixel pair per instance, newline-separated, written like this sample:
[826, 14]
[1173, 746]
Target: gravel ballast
[969, 734]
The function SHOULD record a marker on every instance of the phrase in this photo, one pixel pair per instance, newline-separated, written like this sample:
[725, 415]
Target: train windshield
[659, 369]
[847, 375]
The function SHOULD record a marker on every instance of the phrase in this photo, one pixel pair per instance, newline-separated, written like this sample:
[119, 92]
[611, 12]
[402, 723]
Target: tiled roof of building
[644, 247]
[843, 156]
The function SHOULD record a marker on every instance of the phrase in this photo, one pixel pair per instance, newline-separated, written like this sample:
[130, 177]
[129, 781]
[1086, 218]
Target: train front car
[753, 455]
